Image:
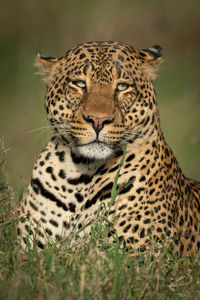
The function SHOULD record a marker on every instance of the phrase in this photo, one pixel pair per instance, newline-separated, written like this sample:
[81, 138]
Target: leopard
[101, 104]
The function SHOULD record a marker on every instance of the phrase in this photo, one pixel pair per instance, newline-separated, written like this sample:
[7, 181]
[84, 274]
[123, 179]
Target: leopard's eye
[79, 83]
[122, 86]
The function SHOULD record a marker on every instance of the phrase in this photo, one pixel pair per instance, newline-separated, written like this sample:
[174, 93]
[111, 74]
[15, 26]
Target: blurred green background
[52, 27]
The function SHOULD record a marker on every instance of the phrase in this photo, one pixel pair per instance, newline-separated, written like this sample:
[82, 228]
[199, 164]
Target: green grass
[92, 269]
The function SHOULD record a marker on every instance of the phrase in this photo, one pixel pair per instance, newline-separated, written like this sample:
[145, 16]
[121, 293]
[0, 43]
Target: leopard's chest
[65, 193]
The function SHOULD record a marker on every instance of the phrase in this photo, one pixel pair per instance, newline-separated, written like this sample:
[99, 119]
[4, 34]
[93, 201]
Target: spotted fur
[100, 97]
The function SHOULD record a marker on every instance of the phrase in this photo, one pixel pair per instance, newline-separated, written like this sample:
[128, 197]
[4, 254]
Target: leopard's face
[100, 96]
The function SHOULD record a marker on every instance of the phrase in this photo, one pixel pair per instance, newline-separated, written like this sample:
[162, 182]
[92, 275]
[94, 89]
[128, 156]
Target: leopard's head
[100, 96]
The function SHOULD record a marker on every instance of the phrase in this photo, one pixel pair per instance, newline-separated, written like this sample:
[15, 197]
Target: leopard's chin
[95, 150]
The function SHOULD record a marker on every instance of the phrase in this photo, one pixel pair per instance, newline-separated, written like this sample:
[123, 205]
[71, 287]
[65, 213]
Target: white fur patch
[95, 150]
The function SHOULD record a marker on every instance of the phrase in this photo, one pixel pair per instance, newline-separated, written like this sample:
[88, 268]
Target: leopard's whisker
[38, 129]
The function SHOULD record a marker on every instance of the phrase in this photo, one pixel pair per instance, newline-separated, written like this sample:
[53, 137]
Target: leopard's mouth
[95, 150]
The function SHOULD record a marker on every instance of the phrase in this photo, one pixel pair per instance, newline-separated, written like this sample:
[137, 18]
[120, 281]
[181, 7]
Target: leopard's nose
[98, 122]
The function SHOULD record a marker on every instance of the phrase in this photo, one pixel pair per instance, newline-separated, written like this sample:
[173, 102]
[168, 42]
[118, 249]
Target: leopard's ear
[151, 58]
[45, 65]
[152, 55]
